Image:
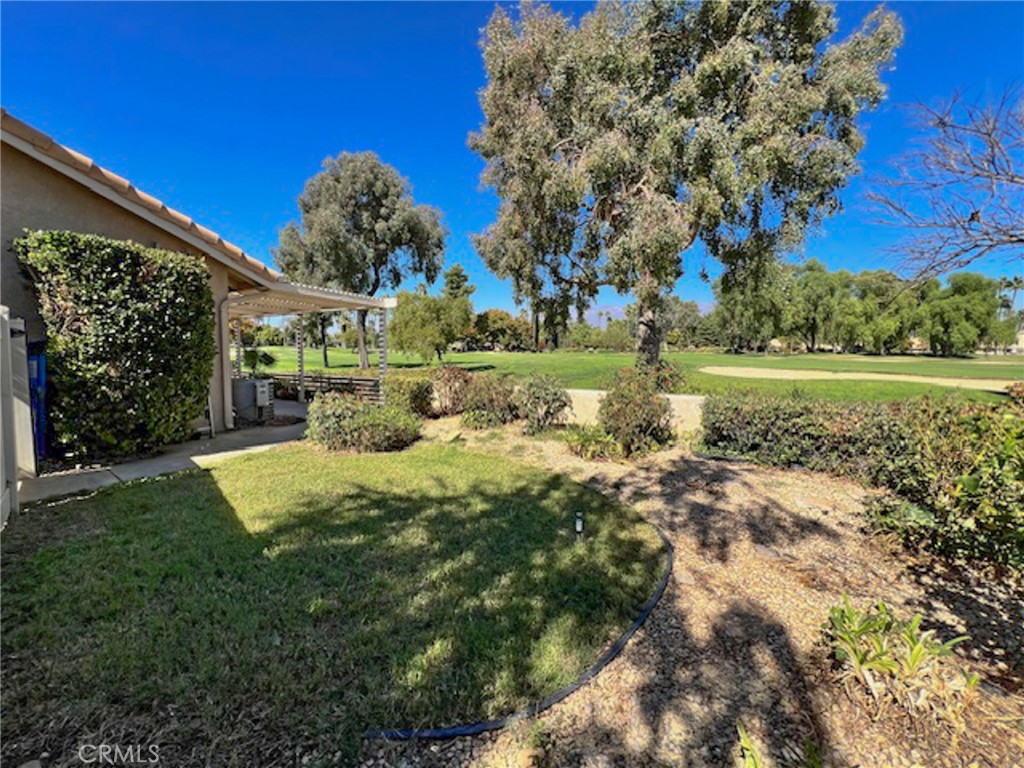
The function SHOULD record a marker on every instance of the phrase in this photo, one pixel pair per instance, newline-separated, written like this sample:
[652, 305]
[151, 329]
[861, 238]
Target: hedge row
[130, 340]
[958, 469]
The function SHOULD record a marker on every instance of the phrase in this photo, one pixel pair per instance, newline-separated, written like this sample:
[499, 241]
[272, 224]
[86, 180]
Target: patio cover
[282, 297]
[286, 298]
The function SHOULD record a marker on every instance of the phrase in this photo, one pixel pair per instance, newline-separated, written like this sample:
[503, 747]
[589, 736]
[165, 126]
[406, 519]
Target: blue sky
[223, 110]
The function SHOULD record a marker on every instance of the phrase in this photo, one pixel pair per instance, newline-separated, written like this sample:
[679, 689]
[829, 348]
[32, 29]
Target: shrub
[958, 468]
[342, 422]
[480, 420]
[411, 392]
[845, 439]
[130, 340]
[542, 402]
[668, 377]
[450, 383]
[256, 361]
[897, 664]
[1016, 391]
[592, 442]
[495, 395]
[634, 413]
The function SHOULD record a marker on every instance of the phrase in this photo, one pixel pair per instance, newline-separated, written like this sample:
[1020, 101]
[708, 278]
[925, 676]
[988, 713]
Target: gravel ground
[760, 556]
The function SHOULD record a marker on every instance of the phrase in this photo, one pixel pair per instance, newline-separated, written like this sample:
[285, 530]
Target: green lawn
[290, 599]
[586, 370]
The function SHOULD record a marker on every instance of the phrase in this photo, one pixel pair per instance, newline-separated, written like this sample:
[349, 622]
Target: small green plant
[256, 361]
[543, 403]
[536, 735]
[590, 441]
[494, 395]
[341, 422]
[751, 756]
[898, 664]
[635, 413]
[411, 392]
[450, 384]
[480, 420]
[748, 751]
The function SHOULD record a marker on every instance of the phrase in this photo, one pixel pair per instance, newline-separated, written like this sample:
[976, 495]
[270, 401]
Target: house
[45, 185]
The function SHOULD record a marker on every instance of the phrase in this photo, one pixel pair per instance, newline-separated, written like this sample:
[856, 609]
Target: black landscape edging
[473, 729]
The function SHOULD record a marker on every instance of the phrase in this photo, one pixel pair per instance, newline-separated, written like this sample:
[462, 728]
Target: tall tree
[753, 306]
[427, 325]
[456, 283]
[618, 144]
[816, 297]
[960, 196]
[361, 231]
[962, 314]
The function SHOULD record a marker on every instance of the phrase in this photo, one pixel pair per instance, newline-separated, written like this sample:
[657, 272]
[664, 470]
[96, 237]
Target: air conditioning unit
[263, 395]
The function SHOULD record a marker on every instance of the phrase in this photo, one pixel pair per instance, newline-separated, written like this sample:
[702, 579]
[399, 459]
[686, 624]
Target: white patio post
[238, 349]
[299, 362]
[383, 357]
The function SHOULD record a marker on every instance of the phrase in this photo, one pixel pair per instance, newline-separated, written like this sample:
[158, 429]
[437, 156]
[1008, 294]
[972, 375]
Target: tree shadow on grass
[676, 696]
[168, 620]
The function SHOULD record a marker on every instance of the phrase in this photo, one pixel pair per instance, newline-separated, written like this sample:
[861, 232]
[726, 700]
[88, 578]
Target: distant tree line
[805, 308]
[810, 308]
[872, 311]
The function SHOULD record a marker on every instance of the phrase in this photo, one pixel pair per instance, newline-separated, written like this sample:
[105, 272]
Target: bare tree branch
[961, 195]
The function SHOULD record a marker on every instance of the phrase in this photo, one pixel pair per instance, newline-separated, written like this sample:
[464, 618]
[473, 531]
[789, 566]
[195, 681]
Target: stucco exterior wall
[34, 196]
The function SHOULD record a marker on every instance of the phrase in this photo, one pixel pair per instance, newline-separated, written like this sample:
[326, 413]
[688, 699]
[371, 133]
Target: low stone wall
[686, 409]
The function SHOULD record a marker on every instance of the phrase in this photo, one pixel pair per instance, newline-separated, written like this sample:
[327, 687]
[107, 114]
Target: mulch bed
[761, 555]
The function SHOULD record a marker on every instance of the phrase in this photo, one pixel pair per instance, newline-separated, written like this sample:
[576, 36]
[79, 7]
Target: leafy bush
[1016, 391]
[668, 377]
[592, 442]
[256, 360]
[850, 439]
[543, 402]
[495, 395]
[450, 384]
[481, 420]
[130, 340]
[342, 422]
[898, 664]
[410, 392]
[957, 468]
[634, 412]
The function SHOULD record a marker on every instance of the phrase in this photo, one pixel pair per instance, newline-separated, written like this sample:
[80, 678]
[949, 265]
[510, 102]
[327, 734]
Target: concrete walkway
[175, 458]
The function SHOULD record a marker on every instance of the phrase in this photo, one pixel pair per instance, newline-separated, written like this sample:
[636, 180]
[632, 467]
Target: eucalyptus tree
[620, 144]
[361, 231]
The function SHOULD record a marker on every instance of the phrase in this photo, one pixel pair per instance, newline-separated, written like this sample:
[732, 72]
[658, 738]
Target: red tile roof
[125, 189]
